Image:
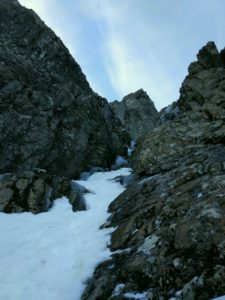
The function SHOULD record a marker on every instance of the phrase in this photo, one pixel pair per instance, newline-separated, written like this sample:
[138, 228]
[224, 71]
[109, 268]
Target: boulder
[34, 191]
[25, 191]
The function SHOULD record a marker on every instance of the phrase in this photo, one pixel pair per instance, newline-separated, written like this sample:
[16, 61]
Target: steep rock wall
[49, 116]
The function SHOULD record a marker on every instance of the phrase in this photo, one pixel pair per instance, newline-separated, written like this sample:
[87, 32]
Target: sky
[125, 45]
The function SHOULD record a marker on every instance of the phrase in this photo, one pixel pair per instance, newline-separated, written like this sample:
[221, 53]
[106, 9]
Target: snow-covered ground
[50, 255]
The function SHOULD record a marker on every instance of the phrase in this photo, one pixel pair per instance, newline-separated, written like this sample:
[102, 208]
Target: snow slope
[50, 255]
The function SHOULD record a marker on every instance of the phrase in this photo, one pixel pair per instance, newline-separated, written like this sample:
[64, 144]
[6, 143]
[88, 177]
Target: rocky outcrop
[49, 116]
[200, 125]
[170, 234]
[34, 191]
[203, 88]
[137, 113]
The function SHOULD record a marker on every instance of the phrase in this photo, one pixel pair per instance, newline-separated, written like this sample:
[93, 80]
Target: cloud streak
[132, 50]
[126, 45]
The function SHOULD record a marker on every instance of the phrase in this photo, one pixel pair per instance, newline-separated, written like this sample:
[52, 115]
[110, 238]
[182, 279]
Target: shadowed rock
[49, 116]
[34, 191]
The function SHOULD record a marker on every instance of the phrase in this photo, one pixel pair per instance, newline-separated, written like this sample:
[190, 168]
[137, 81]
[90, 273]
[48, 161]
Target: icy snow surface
[118, 289]
[50, 255]
[138, 296]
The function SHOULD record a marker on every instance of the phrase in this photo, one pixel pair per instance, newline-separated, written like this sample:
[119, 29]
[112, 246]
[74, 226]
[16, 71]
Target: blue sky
[125, 45]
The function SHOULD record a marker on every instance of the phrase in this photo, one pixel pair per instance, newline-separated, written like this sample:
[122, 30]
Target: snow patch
[118, 289]
[119, 251]
[199, 195]
[145, 179]
[177, 262]
[138, 296]
[148, 244]
[178, 295]
[131, 148]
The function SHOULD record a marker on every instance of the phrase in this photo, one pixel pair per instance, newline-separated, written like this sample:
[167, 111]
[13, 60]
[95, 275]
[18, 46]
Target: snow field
[52, 254]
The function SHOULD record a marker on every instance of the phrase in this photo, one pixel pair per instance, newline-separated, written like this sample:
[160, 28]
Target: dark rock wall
[49, 116]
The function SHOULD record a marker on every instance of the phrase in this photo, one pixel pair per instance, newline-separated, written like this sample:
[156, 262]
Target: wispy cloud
[150, 44]
[132, 49]
[126, 45]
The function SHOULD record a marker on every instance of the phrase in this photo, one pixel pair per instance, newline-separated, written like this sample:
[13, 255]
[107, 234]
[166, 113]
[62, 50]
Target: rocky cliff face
[49, 116]
[170, 234]
[137, 113]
